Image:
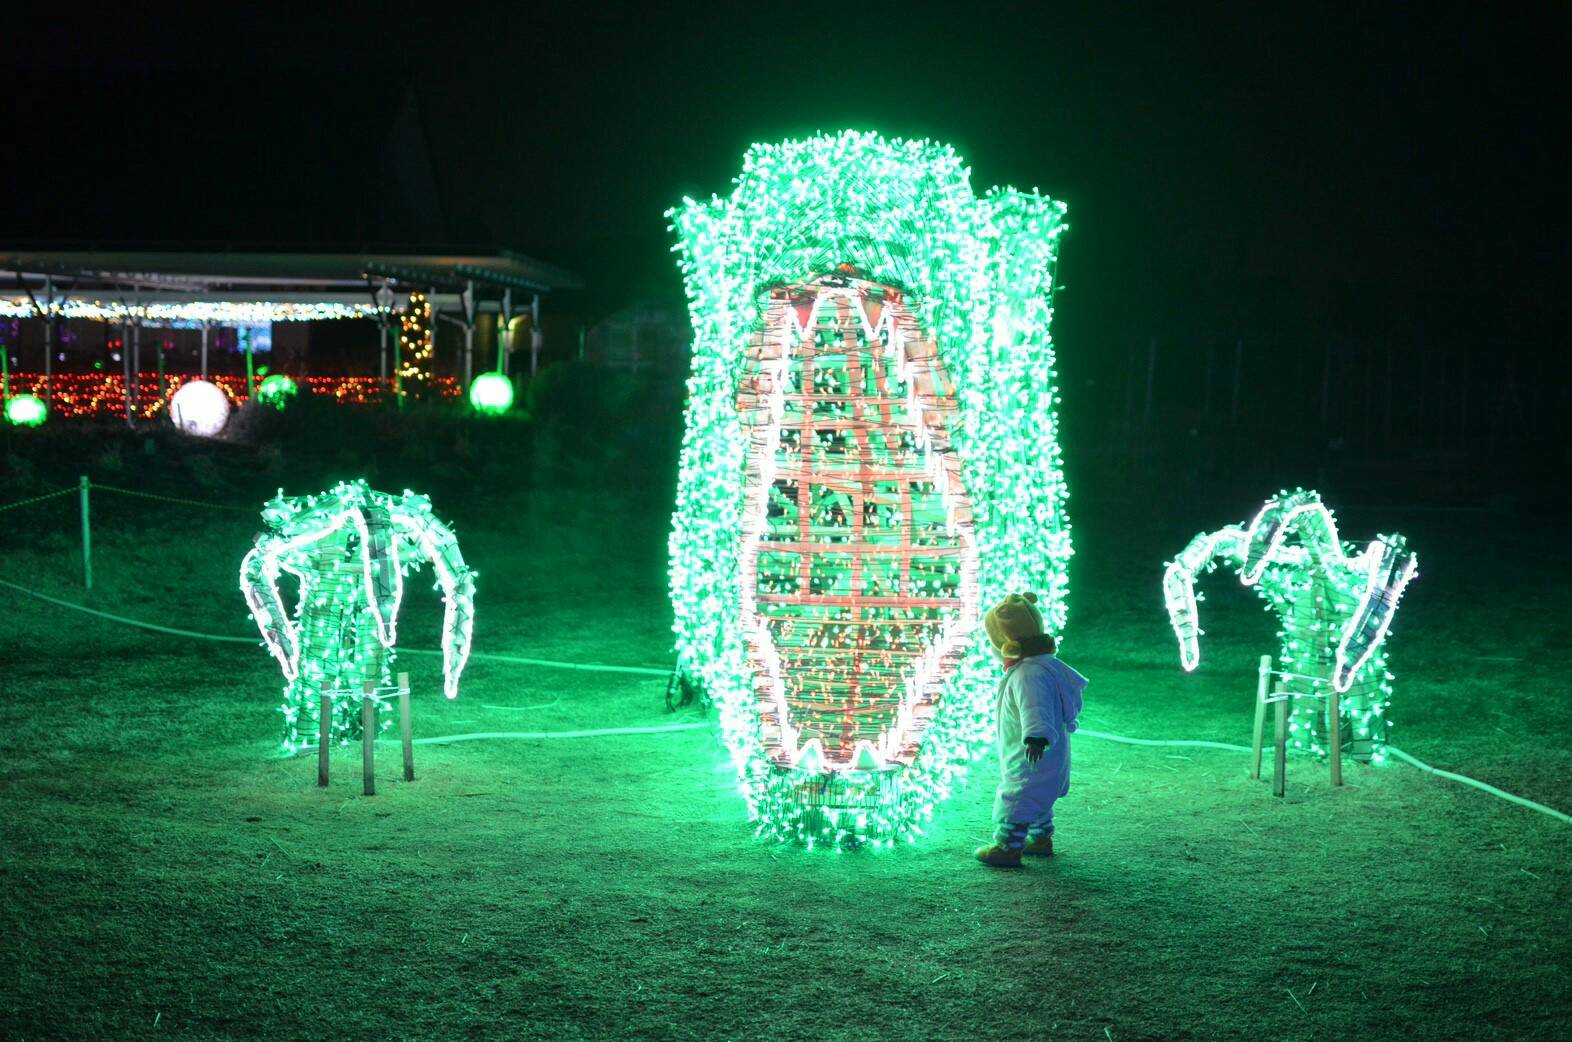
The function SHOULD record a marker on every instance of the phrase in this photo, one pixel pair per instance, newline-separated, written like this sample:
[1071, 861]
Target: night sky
[1244, 170]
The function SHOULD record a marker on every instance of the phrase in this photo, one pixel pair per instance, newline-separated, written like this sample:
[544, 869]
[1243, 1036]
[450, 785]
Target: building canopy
[179, 287]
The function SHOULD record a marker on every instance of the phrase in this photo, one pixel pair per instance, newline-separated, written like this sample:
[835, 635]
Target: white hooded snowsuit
[1039, 697]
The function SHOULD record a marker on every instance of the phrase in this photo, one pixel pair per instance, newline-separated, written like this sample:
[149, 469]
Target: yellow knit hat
[1012, 619]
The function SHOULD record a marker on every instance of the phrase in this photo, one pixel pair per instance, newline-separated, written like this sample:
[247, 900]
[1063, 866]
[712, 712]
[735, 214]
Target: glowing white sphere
[199, 408]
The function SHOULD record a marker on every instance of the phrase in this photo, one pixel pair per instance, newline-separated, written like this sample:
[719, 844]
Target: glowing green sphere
[491, 393]
[26, 410]
[277, 390]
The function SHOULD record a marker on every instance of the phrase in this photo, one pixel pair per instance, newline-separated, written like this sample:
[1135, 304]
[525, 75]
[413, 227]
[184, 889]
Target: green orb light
[26, 410]
[277, 390]
[491, 393]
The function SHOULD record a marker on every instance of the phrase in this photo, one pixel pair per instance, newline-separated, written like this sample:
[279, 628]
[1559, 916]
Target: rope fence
[36, 499]
[85, 486]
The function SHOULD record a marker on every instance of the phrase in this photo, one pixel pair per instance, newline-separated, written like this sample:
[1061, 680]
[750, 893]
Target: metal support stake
[207, 327]
[324, 738]
[368, 739]
[1334, 727]
[1263, 679]
[1280, 752]
[404, 728]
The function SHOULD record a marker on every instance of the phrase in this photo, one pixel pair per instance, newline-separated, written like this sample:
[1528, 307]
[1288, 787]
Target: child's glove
[1034, 749]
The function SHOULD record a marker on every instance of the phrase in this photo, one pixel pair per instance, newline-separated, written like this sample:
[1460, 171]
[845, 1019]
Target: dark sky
[1267, 164]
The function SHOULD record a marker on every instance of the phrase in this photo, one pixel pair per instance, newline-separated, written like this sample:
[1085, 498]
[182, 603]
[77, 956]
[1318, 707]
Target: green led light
[277, 390]
[491, 393]
[1334, 603]
[26, 410]
[852, 283]
[350, 548]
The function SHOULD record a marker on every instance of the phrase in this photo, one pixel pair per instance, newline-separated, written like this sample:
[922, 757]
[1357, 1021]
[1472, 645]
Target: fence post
[404, 728]
[87, 535]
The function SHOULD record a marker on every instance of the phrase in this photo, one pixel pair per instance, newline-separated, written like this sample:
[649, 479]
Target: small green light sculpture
[349, 548]
[871, 453]
[1334, 606]
[277, 390]
[26, 410]
[491, 393]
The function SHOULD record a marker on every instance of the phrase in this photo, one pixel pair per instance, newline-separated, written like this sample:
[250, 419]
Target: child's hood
[1067, 683]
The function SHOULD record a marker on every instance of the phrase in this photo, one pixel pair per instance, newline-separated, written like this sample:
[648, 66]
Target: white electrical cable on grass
[514, 660]
[124, 621]
[477, 736]
[1183, 743]
[599, 732]
[1482, 786]
[518, 660]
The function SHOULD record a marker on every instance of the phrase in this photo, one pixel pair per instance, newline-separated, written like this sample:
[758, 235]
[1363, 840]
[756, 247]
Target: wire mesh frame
[847, 409]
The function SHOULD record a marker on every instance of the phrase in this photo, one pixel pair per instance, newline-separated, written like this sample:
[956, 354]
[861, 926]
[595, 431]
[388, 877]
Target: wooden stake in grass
[368, 738]
[1263, 678]
[324, 739]
[403, 727]
[1280, 750]
[1334, 730]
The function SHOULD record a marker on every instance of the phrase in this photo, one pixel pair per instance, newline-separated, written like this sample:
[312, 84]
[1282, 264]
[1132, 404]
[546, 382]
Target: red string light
[104, 394]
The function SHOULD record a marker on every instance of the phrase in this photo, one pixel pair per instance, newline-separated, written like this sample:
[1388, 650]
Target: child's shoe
[1042, 846]
[996, 856]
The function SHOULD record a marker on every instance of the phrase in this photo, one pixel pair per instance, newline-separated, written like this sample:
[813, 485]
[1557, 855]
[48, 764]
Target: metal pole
[467, 309]
[206, 328]
[124, 359]
[163, 388]
[469, 354]
[49, 339]
[382, 353]
[87, 536]
[535, 338]
[398, 367]
[504, 330]
[251, 374]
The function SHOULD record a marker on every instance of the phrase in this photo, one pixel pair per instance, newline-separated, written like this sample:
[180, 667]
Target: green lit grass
[163, 874]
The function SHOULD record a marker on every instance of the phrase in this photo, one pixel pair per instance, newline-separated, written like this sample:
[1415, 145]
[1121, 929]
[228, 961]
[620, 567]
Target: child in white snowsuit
[1039, 700]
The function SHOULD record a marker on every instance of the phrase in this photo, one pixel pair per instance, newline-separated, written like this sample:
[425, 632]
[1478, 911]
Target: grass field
[164, 873]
